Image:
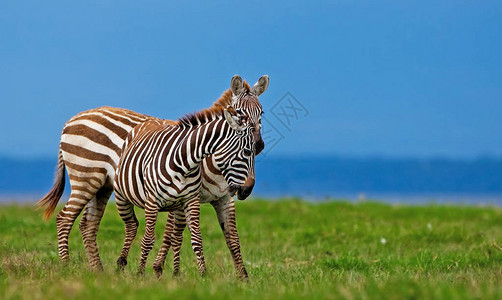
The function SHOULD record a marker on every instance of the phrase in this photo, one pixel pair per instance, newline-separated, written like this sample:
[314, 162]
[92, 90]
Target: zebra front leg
[177, 239]
[151, 212]
[66, 218]
[225, 210]
[89, 226]
[192, 214]
[126, 212]
[158, 265]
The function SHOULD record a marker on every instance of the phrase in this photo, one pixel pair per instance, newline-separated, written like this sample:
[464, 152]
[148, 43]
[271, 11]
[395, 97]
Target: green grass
[292, 249]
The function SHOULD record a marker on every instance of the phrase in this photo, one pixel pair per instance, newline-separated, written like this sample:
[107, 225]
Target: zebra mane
[215, 111]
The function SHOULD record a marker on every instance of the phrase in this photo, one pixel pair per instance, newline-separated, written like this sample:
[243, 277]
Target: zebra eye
[247, 152]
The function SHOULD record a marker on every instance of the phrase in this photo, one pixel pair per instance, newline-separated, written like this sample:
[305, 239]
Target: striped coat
[159, 170]
[91, 144]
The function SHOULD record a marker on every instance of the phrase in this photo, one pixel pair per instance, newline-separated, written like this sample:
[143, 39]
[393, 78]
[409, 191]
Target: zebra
[159, 170]
[91, 144]
[214, 188]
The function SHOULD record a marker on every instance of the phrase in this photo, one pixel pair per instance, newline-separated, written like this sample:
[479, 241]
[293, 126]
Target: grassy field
[292, 249]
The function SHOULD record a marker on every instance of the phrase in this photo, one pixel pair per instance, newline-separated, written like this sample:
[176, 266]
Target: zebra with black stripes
[214, 187]
[91, 144]
[159, 170]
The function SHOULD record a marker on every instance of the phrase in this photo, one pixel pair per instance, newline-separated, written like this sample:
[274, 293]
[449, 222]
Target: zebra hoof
[121, 263]
[158, 271]
[243, 276]
[98, 268]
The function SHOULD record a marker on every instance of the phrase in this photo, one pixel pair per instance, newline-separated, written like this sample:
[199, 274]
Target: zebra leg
[177, 239]
[126, 212]
[192, 214]
[166, 244]
[225, 210]
[90, 223]
[67, 216]
[151, 213]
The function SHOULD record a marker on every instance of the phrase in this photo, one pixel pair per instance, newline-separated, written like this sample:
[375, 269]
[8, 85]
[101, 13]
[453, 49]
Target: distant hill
[315, 176]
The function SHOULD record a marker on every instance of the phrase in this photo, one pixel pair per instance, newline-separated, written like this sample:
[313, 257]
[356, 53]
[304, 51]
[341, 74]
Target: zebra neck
[200, 142]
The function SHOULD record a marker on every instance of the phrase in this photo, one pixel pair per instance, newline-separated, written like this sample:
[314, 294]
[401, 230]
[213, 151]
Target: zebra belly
[167, 197]
[164, 203]
[173, 206]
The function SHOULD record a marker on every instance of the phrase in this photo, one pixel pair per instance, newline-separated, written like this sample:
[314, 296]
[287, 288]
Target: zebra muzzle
[245, 190]
[241, 191]
[232, 189]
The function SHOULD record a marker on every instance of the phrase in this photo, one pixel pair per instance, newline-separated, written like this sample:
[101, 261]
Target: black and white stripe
[159, 170]
[91, 144]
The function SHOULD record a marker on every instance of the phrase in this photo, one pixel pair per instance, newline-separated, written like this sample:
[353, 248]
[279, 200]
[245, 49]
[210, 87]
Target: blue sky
[390, 78]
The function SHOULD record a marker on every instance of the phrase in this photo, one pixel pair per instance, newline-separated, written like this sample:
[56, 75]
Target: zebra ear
[261, 86]
[233, 118]
[230, 119]
[236, 85]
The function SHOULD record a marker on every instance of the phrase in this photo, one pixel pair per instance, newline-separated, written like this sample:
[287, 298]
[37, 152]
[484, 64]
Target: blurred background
[388, 100]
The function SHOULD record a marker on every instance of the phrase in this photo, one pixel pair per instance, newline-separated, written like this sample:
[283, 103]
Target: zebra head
[246, 99]
[235, 157]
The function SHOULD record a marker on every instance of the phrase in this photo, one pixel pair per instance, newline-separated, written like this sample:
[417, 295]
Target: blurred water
[391, 198]
[413, 181]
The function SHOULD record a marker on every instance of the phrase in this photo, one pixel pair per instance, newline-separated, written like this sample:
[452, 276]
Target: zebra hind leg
[66, 218]
[192, 214]
[126, 212]
[89, 226]
[158, 266]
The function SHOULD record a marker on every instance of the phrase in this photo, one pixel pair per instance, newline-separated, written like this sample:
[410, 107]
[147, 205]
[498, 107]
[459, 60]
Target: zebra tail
[51, 199]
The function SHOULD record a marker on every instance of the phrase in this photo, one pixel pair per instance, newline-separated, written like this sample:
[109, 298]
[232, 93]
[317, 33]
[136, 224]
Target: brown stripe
[212, 168]
[105, 122]
[119, 119]
[87, 154]
[94, 135]
[80, 168]
[87, 180]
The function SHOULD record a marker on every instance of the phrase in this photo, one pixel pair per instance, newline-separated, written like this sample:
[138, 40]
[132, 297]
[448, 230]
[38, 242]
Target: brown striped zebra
[159, 170]
[91, 144]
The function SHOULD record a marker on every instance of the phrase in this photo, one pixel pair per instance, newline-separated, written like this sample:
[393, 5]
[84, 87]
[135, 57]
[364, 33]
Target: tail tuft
[50, 201]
